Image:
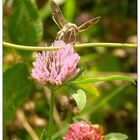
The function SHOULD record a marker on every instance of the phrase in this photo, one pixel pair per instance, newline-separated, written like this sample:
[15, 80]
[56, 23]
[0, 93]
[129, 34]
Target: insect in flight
[68, 30]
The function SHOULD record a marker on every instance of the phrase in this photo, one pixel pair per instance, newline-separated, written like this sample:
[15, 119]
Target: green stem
[30, 48]
[50, 129]
[85, 45]
[123, 45]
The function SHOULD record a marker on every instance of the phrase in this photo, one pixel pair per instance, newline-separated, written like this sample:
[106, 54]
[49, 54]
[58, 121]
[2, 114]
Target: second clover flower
[84, 131]
[56, 66]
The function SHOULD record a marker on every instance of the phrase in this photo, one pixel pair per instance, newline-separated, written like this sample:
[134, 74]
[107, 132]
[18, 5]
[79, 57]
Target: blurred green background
[113, 105]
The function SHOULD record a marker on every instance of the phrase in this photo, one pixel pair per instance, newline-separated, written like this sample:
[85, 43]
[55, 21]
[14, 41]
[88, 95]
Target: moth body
[68, 33]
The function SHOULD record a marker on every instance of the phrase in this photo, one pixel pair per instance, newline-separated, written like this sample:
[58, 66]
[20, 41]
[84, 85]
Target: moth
[68, 31]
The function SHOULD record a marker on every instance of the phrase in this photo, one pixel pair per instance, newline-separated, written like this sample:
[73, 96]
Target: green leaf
[102, 79]
[24, 25]
[17, 88]
[116, 136]
[79, 96]
[43, 135]
[89, 88]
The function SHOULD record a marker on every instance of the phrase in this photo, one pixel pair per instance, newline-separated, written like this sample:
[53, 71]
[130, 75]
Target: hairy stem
[84, 45]
[116, 45]
[30, 48]
[55, 114]
[50, 129]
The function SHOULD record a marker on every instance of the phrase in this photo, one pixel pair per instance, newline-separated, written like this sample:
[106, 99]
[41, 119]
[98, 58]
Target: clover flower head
[56, 66]
[84, 131]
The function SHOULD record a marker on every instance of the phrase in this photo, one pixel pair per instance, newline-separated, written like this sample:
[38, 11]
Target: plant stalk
[84, 45]
[56, 116]
[30, 48]
[103, 44]
[50, 129]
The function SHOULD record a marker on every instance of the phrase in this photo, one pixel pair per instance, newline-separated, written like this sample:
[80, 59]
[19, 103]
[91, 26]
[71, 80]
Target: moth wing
[57, 15]
[88, 24]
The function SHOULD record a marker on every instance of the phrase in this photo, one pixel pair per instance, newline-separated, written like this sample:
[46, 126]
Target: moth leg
[72, 37]
[60, 36]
